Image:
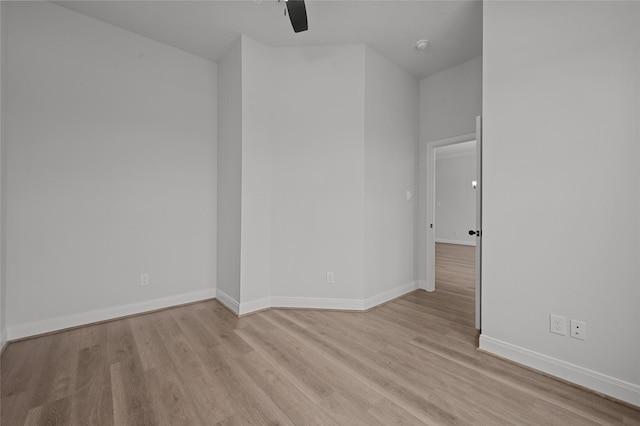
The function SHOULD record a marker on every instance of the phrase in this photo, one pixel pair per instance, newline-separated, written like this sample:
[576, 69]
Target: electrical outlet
[145, 279]
[579, 330]
[331, 278]
[558, 324]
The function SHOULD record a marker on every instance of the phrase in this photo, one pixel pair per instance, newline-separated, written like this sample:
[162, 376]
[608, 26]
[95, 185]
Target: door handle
[472, 232]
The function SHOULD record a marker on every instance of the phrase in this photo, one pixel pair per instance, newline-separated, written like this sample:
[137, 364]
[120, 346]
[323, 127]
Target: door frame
[430, 163]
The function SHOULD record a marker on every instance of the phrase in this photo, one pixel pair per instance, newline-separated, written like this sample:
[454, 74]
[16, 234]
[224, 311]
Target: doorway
[455, 215]
[432, 225]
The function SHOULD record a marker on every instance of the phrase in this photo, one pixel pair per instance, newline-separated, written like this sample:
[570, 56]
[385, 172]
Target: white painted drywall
[318, 172]
[450, 101]
[303, 174]
[455, 207]
[258, 125]
[390, 153]
[449, 104]
[561, 185]
[111, 153]
[3, 170]
[638, 132]
[229, 168]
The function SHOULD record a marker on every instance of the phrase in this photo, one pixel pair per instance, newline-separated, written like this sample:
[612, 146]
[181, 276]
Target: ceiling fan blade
[298, 15]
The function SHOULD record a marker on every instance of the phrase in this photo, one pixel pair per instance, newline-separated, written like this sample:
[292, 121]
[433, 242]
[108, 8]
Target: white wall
[3, 171]
[390, 153]
[110, 170]
[455, 207]
[258, 128]
[303, 176]
[120, 174]
[318, 172]
[229, 168]
[291, 145]
[561, 161]
[450, 101]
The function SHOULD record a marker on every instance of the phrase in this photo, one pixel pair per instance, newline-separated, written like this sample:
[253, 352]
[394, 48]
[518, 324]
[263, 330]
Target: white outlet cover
[579, 330]
[145, 279]
[331, 278]
[558, 324]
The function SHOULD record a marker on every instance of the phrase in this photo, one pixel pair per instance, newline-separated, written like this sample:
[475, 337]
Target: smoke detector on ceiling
[422, 44]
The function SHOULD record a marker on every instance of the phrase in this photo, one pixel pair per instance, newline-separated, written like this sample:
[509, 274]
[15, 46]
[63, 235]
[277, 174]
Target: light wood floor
[456, 269]
[412, 361]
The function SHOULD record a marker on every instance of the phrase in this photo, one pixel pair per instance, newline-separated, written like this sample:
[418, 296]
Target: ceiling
[391, 27]
[455, 150]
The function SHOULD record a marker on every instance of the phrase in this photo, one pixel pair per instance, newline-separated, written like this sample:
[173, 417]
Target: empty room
[319, 212]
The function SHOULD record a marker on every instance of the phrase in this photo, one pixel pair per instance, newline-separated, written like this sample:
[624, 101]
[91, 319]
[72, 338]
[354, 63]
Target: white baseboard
[255, 305]
[60, 323]
[323, 303]
[228, 301]
[459, 242]
[581, 376]
[388, 295]
[422, 284]
[317, 303]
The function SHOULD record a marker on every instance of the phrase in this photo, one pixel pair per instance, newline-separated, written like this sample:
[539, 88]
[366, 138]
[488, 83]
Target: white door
[478, 231]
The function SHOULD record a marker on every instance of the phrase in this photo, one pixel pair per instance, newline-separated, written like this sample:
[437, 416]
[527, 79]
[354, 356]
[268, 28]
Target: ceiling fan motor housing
[298, 15]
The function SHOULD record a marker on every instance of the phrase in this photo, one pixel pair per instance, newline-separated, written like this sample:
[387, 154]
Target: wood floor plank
[411, 361]
[222, 325]
[15, 408]
[194, 329]
[119, 402]
[34, 417]
[171, 403]
[92, 401]
[296, 369]
[300, 409]
[21, 365]
[455, 269]
[359, 393]
[251, 403]
[57, 381]
[131, 402]
[391, 414]
[55, 413]
[463, 388]
[204, 386]
[359, 362]
[149, 344]
[541, 387]
[92, 335]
